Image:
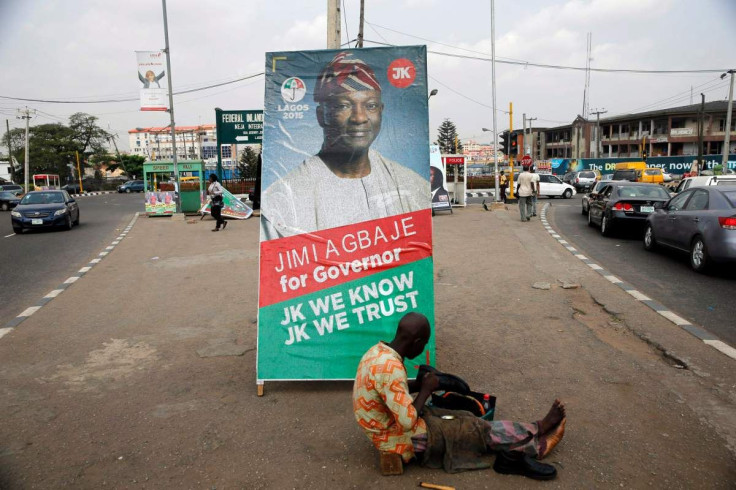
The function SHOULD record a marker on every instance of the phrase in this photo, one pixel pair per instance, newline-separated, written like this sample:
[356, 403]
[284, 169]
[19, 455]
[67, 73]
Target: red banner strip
[302, 264]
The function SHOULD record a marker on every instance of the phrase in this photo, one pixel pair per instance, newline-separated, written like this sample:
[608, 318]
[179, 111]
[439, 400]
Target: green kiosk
[160, 186]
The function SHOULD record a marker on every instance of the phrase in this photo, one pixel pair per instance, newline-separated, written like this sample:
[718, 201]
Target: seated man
[394, 422]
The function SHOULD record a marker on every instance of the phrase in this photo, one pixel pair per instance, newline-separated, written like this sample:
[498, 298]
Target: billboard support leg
[259, 384]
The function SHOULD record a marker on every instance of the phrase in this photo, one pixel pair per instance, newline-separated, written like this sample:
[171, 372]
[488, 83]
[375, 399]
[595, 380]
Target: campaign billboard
[346, 230]
[152, 76]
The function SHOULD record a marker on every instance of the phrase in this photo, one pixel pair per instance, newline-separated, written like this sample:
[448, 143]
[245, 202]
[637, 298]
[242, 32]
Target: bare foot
[553, 417]
[551, 439]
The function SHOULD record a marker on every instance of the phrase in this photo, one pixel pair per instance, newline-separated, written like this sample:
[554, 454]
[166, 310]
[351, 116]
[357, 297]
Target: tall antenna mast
[586, 95]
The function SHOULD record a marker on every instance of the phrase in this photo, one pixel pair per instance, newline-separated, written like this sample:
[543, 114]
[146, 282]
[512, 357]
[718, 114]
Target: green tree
[133, 165]
[447, 138]
[248, 163]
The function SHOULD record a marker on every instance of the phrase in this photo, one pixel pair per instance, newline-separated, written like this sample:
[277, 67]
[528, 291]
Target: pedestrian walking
[215, 190]
[535, 189]
[524, 191]
[503, 184]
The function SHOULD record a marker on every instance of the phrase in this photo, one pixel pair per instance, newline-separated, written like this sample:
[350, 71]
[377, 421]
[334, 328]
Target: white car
[552, 186]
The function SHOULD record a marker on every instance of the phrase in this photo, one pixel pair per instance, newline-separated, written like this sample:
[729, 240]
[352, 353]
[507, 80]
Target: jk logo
[401, 72]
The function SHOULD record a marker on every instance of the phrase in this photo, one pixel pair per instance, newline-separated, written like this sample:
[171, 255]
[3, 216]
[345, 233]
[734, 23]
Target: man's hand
[430, 383]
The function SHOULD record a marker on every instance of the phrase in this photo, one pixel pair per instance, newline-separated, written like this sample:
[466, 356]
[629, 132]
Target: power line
[46, 101]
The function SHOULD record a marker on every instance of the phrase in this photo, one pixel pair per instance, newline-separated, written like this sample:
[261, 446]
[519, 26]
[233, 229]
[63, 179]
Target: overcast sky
[84, 50]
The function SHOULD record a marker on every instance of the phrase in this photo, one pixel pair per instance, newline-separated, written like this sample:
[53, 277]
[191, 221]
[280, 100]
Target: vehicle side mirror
[659, 205]
[72, 200]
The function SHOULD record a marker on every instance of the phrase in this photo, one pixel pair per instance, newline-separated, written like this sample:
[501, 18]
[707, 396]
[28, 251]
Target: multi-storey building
[669, 132]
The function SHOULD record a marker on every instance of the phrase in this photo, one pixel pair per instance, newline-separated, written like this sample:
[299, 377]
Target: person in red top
[391, 417]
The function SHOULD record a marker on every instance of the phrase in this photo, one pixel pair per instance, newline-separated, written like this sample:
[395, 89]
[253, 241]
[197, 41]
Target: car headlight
[16, 214]
[59, 212]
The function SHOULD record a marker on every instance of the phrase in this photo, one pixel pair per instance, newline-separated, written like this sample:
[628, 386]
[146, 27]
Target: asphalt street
[666, 276]
[36, 262]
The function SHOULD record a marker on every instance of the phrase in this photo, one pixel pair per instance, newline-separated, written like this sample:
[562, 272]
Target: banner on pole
[346, 227]
[152, 74]
[440, 196]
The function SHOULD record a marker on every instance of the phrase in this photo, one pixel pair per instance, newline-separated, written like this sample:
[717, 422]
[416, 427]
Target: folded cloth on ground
[456, 445]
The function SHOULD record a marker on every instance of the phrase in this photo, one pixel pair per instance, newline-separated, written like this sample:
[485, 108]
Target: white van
[704, 180]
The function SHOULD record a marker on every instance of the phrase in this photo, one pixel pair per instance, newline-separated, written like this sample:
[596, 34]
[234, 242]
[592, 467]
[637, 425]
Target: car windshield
[7, 195]
[731, 196]
[643, 191]
[652, 171]
[554, 180]
[43, 198]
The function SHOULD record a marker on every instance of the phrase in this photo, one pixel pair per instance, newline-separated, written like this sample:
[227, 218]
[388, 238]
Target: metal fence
[239, 186]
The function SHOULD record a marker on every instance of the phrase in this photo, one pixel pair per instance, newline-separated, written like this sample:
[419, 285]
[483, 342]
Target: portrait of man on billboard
[347, 181]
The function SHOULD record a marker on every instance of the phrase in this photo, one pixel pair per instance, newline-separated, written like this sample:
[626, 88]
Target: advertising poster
[152, 76]
[160, 202]
[437, 179]
[233, 207]
[346, 227]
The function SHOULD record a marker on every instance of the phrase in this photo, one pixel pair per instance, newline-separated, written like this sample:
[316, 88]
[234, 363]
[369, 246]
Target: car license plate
[647, 209]
[36, 221]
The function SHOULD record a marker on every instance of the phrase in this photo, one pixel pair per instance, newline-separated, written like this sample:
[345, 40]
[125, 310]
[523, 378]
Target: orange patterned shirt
[382, 404]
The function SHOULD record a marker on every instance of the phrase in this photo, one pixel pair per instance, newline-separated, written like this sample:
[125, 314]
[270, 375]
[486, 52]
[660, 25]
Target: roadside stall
[456, 169]
[160, 187]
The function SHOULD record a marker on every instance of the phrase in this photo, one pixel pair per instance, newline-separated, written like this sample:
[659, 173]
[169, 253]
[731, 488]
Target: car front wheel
[605, 226]
[567, 194]
[699, 259]
[17, 230]
[127, 190]
[584, 211]
[650, 243]
[4, 206]
[69, 223]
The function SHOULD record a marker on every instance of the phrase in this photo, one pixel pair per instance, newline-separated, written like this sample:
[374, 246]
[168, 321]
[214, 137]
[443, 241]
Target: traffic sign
[526, 161]
[239, 127]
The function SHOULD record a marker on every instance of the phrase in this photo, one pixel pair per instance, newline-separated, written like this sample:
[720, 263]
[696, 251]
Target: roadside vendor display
[346, 215]
[160, 187]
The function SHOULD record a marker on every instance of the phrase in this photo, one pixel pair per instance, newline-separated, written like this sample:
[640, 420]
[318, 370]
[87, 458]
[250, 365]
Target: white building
[192, 143]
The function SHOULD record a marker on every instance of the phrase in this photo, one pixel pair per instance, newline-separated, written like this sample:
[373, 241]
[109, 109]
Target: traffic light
[514, 149]
[504, 143]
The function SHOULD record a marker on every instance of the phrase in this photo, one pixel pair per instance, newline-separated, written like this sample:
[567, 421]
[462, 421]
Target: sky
[84, 50]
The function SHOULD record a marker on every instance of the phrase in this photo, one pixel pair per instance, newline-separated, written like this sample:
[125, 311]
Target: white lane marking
[581, 256]
[564, 242]
[640, 296]
[5, 331]
[613, 279]
[721, 346]
[104, 253]
[115, 242]
[85, 269]
[30, 311]
[595, 267]
[54, 293]
[110, 247]
[676, 319]
[95, 261]
[71, 280]
[8, 236]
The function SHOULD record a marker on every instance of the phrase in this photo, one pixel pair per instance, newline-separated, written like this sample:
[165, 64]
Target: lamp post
[493, 102]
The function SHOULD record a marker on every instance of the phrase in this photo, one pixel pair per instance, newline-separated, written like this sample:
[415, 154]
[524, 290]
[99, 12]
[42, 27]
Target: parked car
[700, 221]
[584, 180]
[593, 192]
[703, 180]
[652, 175]
[14, 188]
[626, 174]
[606, 177]
[624, 204]
[45, 209]
[8, 200]
[568, 177]
[667, 177]
[551, 186]
[71, 188]
[131, 186]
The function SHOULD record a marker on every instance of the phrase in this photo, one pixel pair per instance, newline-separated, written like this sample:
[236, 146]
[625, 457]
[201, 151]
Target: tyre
[584, 211]
[76, 221]
[590, 219]
[606, 227]
[699, 259]
[127, 190]
[4, 206]
[650, 243]
[69, 223]
[17, 230]
[567, 194]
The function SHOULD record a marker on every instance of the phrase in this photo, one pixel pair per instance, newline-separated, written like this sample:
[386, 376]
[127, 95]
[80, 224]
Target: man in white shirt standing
[524, 190]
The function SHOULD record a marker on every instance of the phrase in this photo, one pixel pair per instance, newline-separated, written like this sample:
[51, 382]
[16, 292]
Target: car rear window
[655, 191]
[653, 171]
[731, 196]
[587, 175]
[624, 175]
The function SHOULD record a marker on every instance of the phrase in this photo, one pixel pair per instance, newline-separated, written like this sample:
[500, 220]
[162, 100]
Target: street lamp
[433, 92]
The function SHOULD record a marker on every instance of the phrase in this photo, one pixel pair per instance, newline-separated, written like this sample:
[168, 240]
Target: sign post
[237, 127]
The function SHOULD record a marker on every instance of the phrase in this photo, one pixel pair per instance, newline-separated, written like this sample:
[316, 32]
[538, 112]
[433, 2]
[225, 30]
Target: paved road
[36, 262]
[705, 300]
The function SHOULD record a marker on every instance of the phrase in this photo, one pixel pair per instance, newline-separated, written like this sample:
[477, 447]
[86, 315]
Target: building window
[722, 125]
[227, 151]
[678, 123]
[209, 151]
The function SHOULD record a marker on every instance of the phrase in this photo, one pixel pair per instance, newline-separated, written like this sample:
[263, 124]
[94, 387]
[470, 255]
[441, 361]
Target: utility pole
[111, 138]
[360, 24]
[493, 90]
[333, 24]
[171, 109]
[701, 124]
[531, 137]
[598, 132]
[523, 134]
[26, 114]
[727, 138]
[10, 152]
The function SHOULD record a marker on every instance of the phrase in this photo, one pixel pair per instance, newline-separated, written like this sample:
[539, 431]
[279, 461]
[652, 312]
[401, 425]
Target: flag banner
[346, 225]
[233, 207]
[440, 196]
[152, 74]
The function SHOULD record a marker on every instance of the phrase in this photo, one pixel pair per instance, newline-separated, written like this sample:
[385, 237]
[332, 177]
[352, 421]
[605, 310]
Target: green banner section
[323, 335]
